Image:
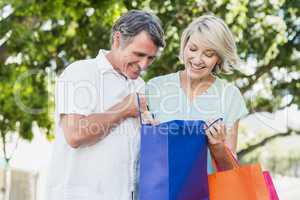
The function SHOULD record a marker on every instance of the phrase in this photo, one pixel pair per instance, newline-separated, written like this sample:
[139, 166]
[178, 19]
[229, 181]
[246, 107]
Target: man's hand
[148, 118]
[129, 105]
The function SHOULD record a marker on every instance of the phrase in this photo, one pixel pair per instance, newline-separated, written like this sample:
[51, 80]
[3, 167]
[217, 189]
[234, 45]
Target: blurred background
[38, 39]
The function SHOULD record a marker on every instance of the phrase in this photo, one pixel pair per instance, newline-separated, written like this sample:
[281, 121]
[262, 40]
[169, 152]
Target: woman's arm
[232, 136]
[219, 139]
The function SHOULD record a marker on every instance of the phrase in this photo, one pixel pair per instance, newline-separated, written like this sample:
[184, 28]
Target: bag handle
[223, 158]
[233, 158]
[139, 108]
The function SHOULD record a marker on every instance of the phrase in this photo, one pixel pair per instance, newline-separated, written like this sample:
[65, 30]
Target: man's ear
[116, 40]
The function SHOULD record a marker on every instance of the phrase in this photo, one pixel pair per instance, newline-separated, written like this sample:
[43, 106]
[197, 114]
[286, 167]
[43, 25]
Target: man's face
[137, 55]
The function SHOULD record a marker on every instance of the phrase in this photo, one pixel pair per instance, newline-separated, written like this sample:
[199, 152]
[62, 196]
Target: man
[97, 130]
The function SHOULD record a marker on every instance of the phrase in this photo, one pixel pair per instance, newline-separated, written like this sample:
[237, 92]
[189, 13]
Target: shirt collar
[104, 64]
[102, 61]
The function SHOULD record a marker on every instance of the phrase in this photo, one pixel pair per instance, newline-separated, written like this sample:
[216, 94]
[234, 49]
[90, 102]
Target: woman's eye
[193, 49]
[209, 54]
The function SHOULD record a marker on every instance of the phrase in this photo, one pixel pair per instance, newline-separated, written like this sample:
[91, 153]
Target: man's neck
[110, 56]
[112, 60]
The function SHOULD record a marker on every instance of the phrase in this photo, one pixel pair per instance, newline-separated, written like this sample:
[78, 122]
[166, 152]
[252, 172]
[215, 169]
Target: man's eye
[193, 49]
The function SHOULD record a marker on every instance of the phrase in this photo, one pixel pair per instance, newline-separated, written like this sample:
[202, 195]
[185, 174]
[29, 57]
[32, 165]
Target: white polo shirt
[107, 169]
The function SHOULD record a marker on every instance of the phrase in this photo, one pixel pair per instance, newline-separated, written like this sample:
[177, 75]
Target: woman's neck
[196, 83]
[195, 87]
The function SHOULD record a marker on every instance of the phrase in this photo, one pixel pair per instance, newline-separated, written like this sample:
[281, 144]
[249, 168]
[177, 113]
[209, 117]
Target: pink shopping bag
[270, 185]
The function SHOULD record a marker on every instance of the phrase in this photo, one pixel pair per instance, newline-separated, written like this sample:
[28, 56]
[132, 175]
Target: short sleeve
[235, 106]
[76, 91]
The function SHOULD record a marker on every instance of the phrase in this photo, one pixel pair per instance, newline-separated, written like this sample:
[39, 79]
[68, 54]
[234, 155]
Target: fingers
[143, 102]
[152, 122]
[148, 119]
[146, 115]
[134, 105]
[155, 122]
[216, 133]
[223, 130]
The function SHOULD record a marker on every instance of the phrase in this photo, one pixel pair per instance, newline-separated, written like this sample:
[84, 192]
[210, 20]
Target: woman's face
[199, 59]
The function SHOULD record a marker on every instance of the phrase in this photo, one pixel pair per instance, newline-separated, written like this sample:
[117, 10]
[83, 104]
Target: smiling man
[97, 130]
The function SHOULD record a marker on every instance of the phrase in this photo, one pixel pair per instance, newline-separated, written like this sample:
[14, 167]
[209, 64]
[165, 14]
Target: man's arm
[86, 130]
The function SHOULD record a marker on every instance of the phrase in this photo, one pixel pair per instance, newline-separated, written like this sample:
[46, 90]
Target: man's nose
[144, 63]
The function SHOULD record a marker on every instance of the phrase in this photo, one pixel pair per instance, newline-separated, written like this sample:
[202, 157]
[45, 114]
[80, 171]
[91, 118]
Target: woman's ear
[219, 61]
[217, 65]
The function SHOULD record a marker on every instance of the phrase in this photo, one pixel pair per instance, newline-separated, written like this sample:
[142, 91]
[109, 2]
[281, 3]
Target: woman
[197, 93]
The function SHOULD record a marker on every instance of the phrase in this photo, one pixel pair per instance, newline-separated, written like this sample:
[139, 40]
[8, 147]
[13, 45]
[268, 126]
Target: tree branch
[262, 109]
[263, 69]
[253, 147]
[253, 78]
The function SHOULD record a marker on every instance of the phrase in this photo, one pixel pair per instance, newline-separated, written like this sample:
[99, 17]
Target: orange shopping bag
[239, 183]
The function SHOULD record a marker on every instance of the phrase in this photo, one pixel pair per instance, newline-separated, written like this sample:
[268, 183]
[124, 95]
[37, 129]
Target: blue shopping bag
[173, 161]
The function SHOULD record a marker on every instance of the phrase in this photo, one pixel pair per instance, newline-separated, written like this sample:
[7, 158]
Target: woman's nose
[198, 59]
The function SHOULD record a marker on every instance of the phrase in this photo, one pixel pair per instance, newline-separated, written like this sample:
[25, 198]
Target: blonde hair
[218, 36]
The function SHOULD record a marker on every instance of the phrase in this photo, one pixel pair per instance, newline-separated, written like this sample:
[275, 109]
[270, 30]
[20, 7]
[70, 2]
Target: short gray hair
[135, 21]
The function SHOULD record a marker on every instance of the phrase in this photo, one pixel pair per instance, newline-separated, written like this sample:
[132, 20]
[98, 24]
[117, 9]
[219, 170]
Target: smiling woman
[196, 93]
[200, 60]
[211, 35]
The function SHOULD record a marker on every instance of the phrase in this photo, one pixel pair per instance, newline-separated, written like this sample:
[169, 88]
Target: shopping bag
[173, 161]
[245, 182]
[270, 185]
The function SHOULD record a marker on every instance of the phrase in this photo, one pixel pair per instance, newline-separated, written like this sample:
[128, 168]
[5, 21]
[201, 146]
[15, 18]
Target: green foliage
[46, 36]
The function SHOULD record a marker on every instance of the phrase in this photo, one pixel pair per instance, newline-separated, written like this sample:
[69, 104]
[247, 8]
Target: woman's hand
[215, 132]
